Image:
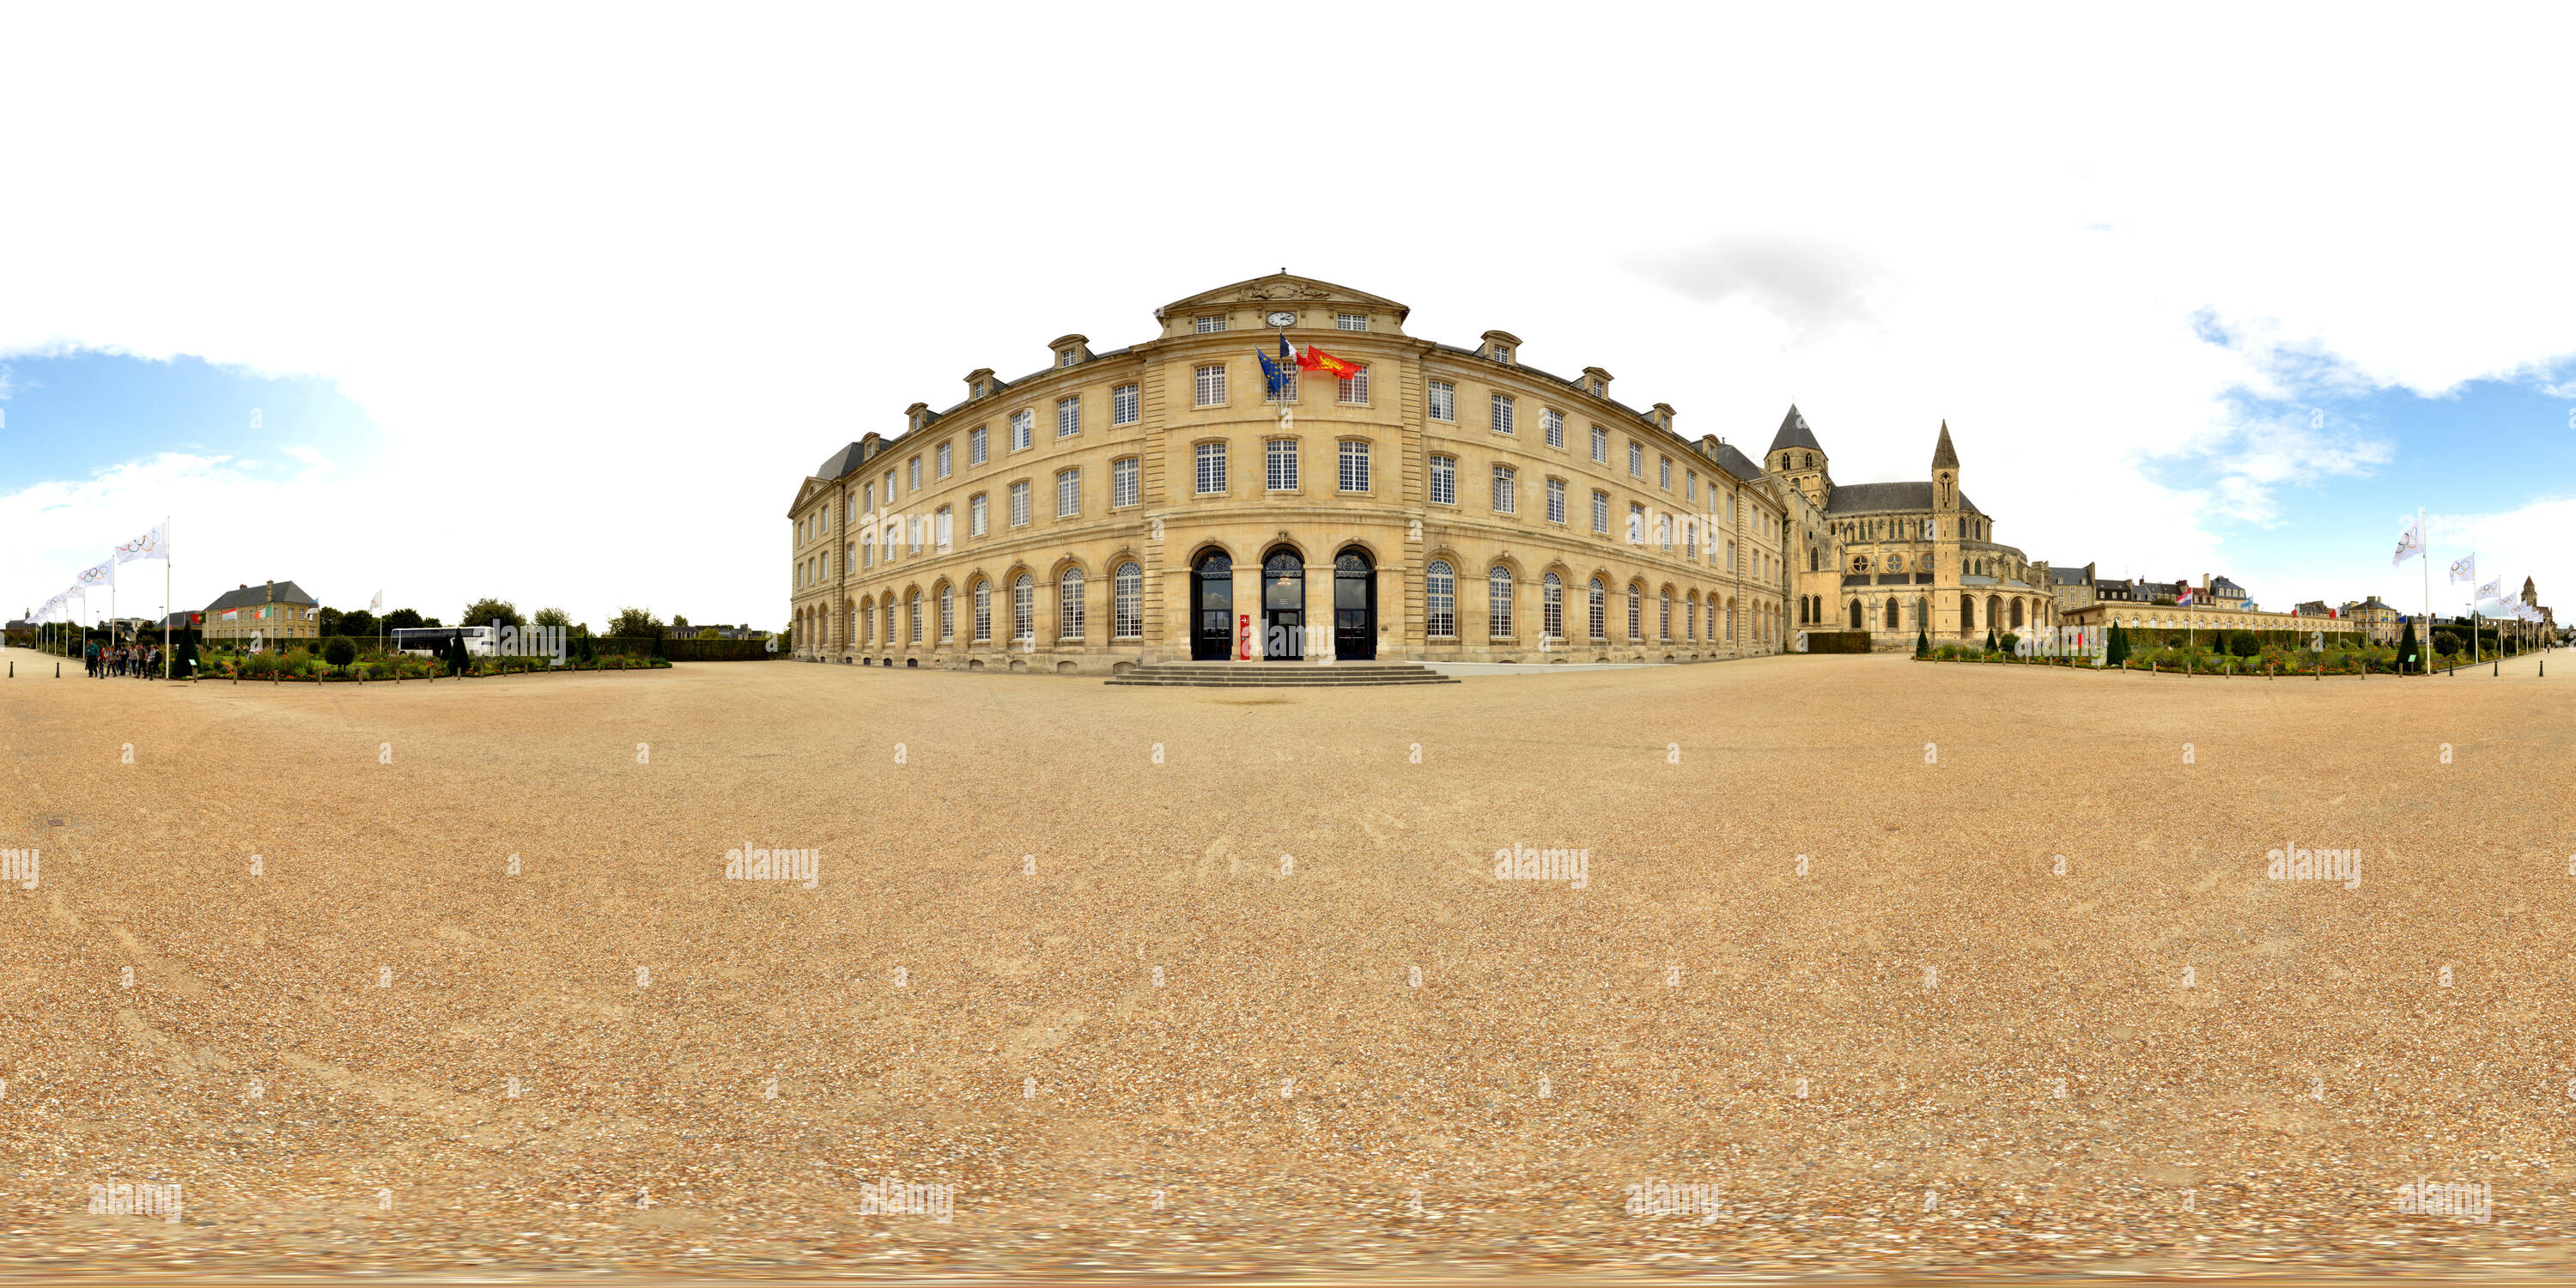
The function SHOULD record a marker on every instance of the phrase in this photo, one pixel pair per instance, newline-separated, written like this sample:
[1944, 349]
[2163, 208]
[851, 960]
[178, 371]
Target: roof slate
[1793, 433]
[287, 593]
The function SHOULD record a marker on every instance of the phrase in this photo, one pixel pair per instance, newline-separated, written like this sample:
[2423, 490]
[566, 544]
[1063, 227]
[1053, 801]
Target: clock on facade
[1282, 318]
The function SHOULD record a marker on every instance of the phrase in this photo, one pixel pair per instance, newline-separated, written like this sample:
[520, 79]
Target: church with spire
[1896, 559]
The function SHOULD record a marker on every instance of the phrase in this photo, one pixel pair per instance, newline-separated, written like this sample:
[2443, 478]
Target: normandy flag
[1314, 359]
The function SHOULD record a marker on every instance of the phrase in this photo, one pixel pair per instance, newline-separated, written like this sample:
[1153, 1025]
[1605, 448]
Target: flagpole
[2423, 641]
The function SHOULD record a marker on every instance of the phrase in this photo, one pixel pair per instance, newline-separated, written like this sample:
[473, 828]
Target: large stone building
[272, 611]
[1158, 502]
[2217, 604]
[1898, 559]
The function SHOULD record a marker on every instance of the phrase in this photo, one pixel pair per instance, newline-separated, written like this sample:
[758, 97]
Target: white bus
[429, 641]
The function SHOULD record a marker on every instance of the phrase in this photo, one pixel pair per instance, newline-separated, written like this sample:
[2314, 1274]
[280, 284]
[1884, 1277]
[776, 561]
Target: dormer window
[1598, 389]
[1208, 326]
[1502, 352]
[1067, 357]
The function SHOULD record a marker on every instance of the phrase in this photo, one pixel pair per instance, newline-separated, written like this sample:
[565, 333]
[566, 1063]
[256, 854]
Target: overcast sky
[560, 305]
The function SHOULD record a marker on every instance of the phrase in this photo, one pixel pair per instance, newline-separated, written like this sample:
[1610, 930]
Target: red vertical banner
[1243, 637]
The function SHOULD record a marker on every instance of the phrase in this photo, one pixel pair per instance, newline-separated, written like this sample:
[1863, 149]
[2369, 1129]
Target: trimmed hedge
[682, 650]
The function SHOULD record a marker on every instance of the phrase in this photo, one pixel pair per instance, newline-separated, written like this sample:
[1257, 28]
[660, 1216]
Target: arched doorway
[1212, 607]
[1354, 606]
[1283, 605]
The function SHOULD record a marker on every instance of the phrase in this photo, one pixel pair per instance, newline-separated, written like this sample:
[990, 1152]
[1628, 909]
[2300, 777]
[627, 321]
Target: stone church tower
[1947, 531]
[1797, 460]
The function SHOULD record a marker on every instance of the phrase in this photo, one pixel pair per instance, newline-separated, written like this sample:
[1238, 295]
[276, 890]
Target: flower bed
[299, 667]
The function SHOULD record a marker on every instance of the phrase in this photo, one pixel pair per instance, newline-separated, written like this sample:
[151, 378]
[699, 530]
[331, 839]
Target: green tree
[358, 624]
[484, 612]
[1922, 643]
[552, 617]
[338, 651]
[710, 633]
[2243, 644]
[637, 623]
[1990, 639]
[2406, 651]
[679, 625]
[327, 622]
[403, 619]
[2115, 651]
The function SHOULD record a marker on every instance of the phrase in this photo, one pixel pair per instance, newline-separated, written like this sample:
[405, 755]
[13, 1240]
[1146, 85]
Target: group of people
[142, 660]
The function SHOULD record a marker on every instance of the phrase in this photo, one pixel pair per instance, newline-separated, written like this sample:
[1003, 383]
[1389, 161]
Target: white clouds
[611, 285]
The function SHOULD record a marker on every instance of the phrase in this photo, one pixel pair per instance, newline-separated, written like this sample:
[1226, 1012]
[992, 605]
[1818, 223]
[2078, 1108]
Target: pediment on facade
[1287, 288]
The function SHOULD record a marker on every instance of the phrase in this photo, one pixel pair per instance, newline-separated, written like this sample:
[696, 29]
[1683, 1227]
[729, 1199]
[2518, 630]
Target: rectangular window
[1690, 485]
[1556, 500]
[1664, 473]
[1068, 492]
[1502, 414]
[1021, 423]
[1601, 513]
[1209, 326]
[1122, 405]
[1355, 467]
[1503, 492]
[1280, 462]
[1068, 357]
[917, 527]
[912, 475]
[1444, 480]
[1122, 481]
[868, 497]
[1444, 400]
[1350, 321]
[1211, 468]
[1020, 504]
[977, 515]
[1068, 417]
[947, 527]
[1600, 445]
[1354, 390]
[975, 446]
[1287, 388]
[944, 471]
[1555, 422]
[1636, 524]
[1211, 386]
[1636, 460]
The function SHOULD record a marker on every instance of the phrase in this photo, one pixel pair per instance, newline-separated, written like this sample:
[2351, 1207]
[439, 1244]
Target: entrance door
[1212, 608]
[1283, 606]
[1354, 607]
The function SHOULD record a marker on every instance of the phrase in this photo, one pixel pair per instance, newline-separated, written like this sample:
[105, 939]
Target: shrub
[339, 651]
[2006, 644]
[2243, 644]
[1922, 643]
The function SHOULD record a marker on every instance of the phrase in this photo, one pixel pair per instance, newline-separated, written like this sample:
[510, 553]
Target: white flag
[377, 602]
[2464, 571]
[2492, 590]
[151, 545]
[102, 575]
[2410, 543]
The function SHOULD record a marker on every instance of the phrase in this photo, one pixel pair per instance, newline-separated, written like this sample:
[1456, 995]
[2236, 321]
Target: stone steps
[1278, 675]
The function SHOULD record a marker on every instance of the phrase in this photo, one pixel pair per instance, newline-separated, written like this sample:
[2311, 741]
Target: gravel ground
[1171, 1048]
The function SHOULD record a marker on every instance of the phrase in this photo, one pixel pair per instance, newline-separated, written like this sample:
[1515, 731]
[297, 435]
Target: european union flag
[1271, 374]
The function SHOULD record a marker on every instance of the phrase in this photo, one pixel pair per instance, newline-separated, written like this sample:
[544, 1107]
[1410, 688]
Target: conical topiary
[1922, 642]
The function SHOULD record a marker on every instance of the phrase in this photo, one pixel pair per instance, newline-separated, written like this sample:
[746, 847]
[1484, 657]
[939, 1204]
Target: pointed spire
[1944, 456]
[1794, 433]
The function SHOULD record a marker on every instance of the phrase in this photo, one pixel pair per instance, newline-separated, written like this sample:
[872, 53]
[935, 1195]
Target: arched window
[1127, 611]
[1636, 611]
[1730, 621]
[868, 548]
[947, 613]
[1068, 605]
[1498, 604]
[1664, 616]
[868, 620]
[912, 607]
[1439, 601]
[1024, 608]
[1855, 614]
[889, 617]
[983, 611]
[1600, 615]
[1552, 606]
[1690, 617]
[2016, 614]
[1891, 612]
